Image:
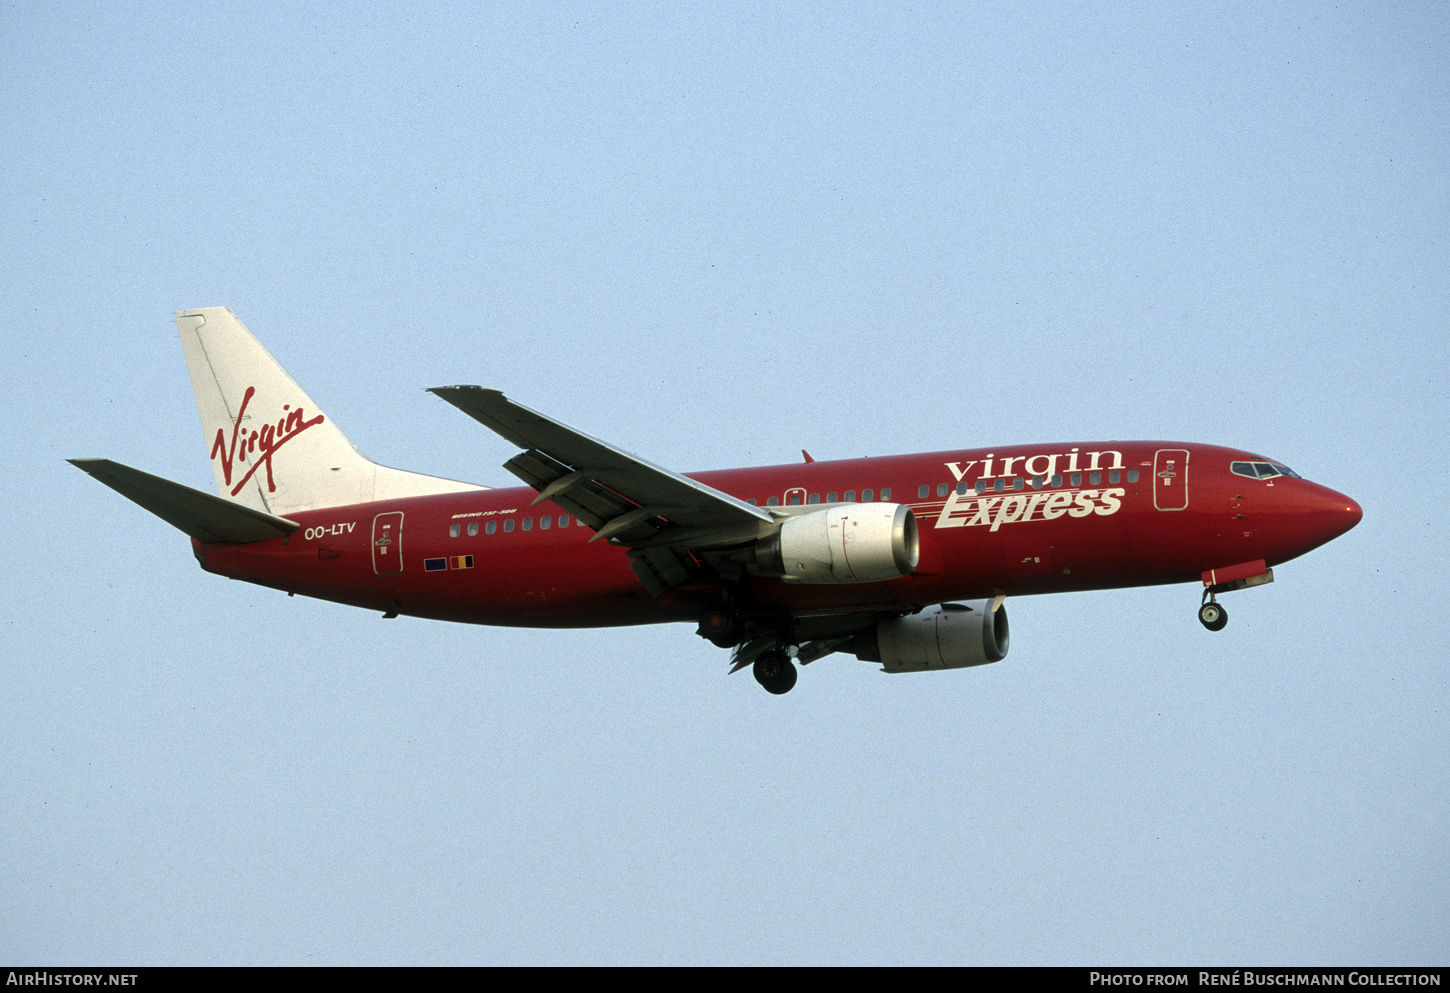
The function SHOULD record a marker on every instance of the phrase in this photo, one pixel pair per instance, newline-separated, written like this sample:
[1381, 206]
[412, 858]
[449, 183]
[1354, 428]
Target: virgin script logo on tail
[266, 440]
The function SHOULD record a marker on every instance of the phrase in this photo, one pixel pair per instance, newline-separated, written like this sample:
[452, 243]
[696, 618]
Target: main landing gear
[722, 626]
[1211, 614]
[776, 672]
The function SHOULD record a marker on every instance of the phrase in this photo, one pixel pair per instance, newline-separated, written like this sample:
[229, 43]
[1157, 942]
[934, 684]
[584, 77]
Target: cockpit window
[1262, 470]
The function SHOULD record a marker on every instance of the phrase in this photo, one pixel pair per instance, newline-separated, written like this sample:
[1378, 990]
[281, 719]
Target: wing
[661, 516]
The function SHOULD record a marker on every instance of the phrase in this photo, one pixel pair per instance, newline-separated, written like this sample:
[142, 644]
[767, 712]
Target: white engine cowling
[947, 636]
[852, 543]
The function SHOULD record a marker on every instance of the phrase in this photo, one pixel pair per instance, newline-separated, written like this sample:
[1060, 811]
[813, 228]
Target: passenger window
[850, 496]
[981, 486]
[1132, 475]
[544, 523]
[813, 498]
[1037, 482]
[1001, 485]
[453, 531]
[961, 487]
[490, 527]
[1095, 478]
[1114, 476]
[1017, 483]
[795, 500]
[866, 496]
[752, 502]
[923, 491]
[472, 528]
[563, 520]
[1056, 480]
[885, 494]
[830, 498]
[772, 501]
[508, 526]
[528, 523]
[1076, 479]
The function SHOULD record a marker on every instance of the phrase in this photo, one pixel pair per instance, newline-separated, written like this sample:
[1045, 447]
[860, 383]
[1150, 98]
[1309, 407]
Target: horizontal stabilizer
[203, 516]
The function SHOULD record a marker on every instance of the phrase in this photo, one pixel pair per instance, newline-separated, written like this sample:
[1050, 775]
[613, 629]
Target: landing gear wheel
[1212, 616]
[720, 627]
[774, 671]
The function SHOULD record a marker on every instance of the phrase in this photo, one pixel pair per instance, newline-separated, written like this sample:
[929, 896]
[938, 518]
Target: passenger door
[1170, 479]
[388, 543]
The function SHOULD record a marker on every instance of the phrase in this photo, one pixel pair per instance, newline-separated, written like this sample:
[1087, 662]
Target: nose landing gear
[1211, 614]
[1225, 580]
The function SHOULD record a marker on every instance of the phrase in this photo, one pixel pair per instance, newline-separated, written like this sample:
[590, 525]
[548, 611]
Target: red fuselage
[1009, 521]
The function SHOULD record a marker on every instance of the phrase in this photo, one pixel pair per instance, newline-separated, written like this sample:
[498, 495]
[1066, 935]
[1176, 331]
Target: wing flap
[569, 488]
[203, 516]
[658, 569]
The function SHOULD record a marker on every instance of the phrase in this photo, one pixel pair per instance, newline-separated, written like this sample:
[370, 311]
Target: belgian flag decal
[453, 562]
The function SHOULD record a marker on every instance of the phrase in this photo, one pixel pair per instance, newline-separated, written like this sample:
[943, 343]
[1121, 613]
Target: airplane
[904, 561]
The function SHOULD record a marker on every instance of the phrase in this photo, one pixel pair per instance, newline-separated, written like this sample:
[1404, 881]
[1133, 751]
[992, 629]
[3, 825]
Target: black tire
[1212, 616]
[720, 627]
[775, 671]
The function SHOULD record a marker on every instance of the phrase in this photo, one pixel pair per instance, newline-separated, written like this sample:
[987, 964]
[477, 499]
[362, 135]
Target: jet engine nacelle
[947, 636]
[851, 543]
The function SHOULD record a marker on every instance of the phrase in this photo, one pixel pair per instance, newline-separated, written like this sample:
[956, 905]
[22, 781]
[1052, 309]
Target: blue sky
[715, 235]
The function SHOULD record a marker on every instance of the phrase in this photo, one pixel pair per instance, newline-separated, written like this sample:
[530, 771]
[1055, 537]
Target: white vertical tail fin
[270, 446]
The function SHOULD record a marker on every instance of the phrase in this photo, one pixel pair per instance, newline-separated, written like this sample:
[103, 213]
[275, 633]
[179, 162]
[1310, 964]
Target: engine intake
[852, 543]
[947, 636]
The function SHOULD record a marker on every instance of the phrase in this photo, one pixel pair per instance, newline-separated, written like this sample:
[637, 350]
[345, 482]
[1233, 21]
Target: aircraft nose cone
[1353, 514]
[1307, 515]
[1334, 513]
